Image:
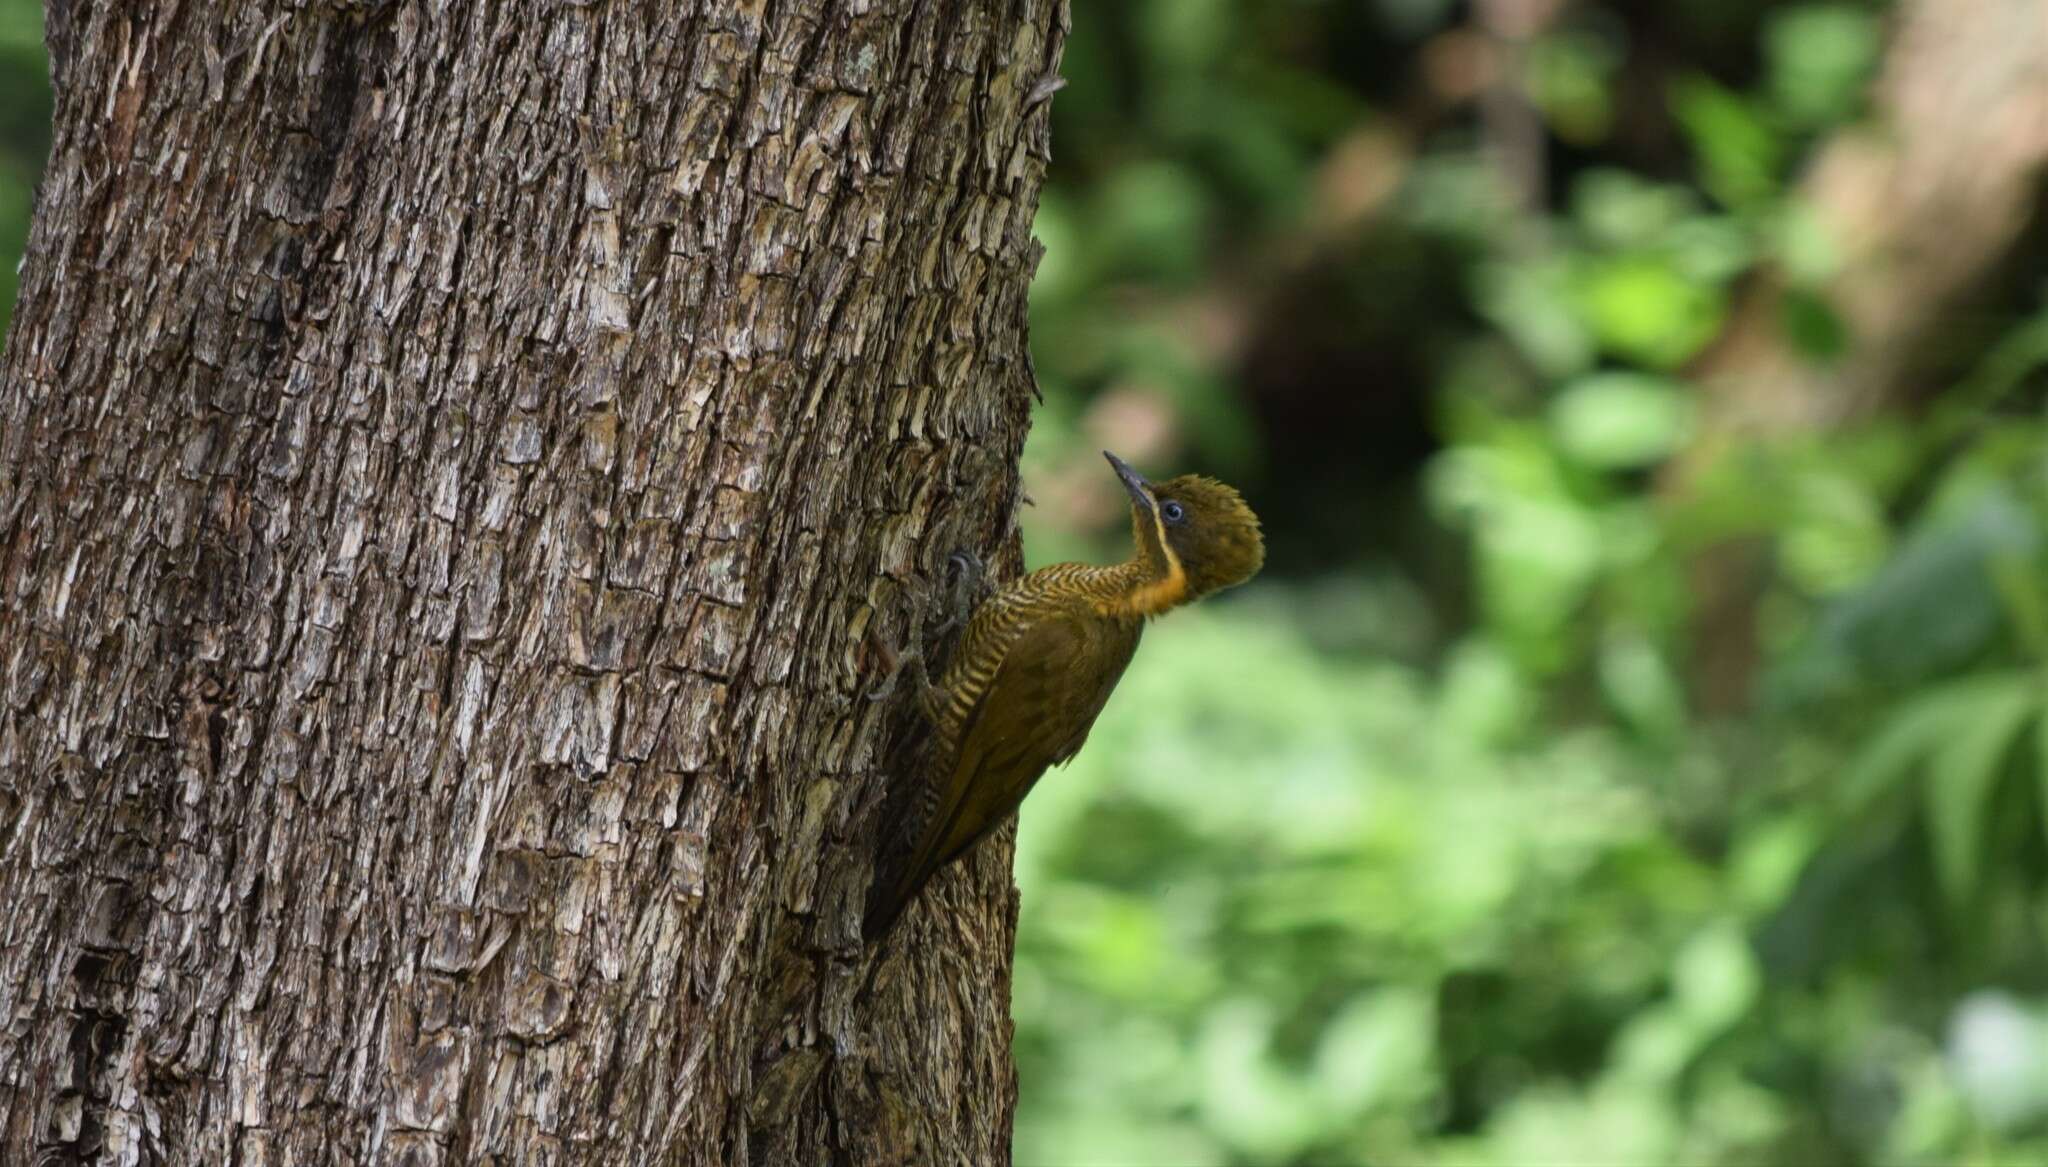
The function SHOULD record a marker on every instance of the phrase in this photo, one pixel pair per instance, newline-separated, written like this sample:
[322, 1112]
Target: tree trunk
[452, 455]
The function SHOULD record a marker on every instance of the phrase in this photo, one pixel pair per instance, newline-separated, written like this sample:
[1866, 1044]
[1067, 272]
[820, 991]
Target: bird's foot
[909, 660]
[967, 590]
[963, 594]
[894, 665]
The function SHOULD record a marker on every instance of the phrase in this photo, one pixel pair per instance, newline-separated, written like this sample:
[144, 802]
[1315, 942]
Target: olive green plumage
[1038, 661]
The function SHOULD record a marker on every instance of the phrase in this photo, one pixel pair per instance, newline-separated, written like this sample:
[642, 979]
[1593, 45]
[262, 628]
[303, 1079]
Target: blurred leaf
[1063, 269]
[1642, 308]
[1186, 35]
[1154, 218]
[1539, 549]
[1627, 1124]
[1620, 209]
[1482, 696]
[1709, 249]
[1655, 1047]
[1249, 144]
[1311, 105]
[1963, 771]
[1768, 859]
[1570, 78]
[21, 26]
[1911, 732]
[1819, 58]
[1803, 243]
[1377, 1051]
[1812, 325]
[1245, 1095]
[2019, 354]
[1934, 604]
[2023, 588]
[2041, 769]
[1456, 195]
[1531, 303]
[1617, 421]
[1930, 1120]
[1834, 536]
[1740, 154]
[1716, 978]
[1640, 685]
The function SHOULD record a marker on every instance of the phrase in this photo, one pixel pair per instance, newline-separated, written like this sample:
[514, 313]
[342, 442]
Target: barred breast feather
[1032, 671]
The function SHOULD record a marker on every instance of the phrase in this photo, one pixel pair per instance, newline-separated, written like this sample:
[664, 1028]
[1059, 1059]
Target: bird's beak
[1141, 490]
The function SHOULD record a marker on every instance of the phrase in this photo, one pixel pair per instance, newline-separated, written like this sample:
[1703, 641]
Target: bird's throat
[1158, 581]
[1153, 598]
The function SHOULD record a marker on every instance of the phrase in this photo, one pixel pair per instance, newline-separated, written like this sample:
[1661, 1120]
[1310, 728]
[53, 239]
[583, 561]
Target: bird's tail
[904, 862]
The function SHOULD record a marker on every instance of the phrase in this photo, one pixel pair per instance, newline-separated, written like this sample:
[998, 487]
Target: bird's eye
[1172, 512]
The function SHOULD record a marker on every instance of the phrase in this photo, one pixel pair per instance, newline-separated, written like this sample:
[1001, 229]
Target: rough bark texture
[451, 456]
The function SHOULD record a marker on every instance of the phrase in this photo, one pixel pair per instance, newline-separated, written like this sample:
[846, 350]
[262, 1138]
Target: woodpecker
[1036, 664]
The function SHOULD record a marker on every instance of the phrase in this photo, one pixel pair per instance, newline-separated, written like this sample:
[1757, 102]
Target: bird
[1035, 665]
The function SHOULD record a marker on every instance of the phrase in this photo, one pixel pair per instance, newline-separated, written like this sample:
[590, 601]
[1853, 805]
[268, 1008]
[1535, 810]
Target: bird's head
[1194, 534]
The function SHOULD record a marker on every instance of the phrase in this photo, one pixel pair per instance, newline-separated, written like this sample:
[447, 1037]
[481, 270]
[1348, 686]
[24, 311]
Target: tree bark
[452, 456]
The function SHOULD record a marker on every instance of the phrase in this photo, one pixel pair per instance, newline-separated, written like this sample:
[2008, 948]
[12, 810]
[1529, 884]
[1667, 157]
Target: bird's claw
[894, 663]
[912, 661]
[960, 601]
[965, 593]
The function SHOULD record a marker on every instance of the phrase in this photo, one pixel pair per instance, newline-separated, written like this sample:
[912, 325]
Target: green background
[1455, 838]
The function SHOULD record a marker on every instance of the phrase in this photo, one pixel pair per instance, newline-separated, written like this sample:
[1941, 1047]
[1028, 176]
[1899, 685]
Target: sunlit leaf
[1715, 979]
[1819, 56]
[1247, 1097]
[1483, 696]
[1377, 1051]
[1643, 308]
[1656, 1046]
[1620, 209]
[1803, 242]
[1769, 858]
[1640, 684]
[1621, 420]
[1531, 302]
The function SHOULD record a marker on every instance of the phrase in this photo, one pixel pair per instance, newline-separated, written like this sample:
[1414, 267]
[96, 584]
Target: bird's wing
[1036, 711]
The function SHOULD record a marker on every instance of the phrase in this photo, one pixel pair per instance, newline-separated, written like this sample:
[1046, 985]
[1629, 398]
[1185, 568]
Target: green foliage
[1427, 847]
[24, 134]
[1819, 58]
[1463, 869]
